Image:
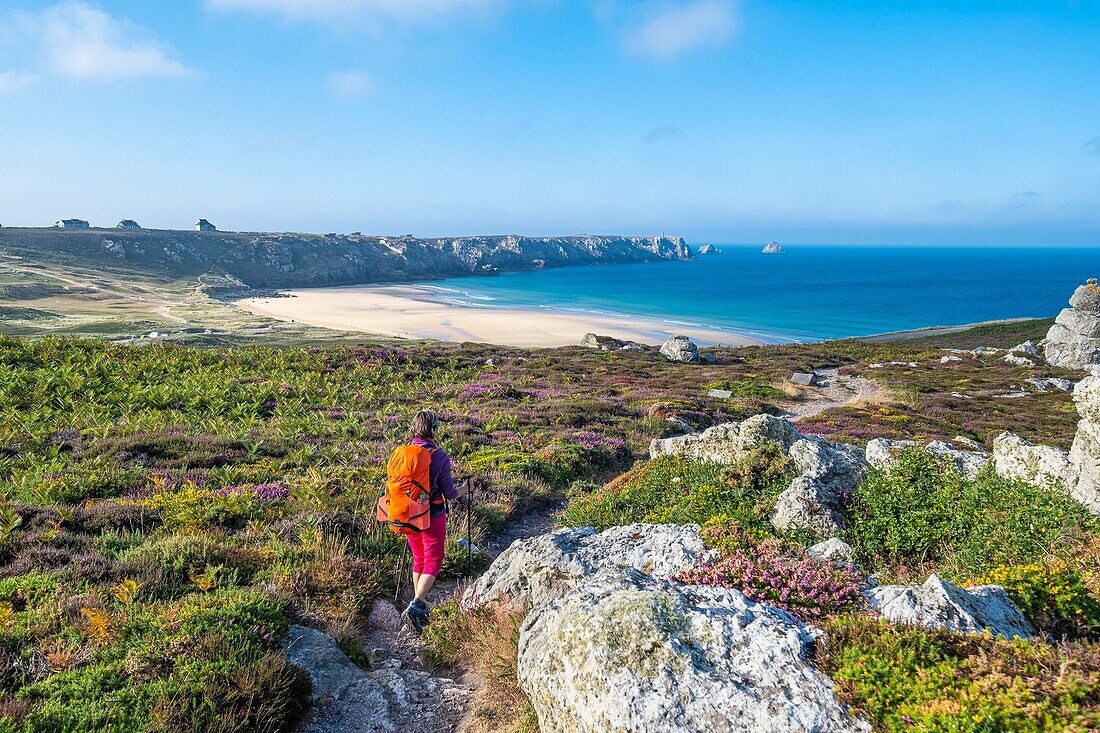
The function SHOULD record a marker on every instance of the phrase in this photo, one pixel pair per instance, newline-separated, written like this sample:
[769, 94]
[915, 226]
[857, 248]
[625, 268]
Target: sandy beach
[424, 312]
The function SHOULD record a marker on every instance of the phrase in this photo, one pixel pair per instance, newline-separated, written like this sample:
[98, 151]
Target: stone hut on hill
[72, 224]
[128, 224]
[202, 225]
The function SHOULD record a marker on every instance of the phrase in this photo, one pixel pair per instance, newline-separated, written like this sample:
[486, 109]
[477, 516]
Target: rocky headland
[289, 260]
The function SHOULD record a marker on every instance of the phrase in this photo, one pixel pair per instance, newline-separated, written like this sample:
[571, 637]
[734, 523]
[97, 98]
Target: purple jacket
[439, 475]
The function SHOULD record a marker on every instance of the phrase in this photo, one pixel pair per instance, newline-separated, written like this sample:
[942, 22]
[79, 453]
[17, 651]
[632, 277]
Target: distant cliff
[301, 260]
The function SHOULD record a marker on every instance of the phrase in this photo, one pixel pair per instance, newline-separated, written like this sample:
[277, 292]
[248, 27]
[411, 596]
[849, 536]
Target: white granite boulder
[940, 604]
[726, 443]
[680, 349]
[1085, 452]
[1074, 339]
[534, 570]
[628, 652]
[1016, 458]
[833, 550]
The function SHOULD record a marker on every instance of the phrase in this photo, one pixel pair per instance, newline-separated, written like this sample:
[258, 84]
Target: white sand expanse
[423, 312]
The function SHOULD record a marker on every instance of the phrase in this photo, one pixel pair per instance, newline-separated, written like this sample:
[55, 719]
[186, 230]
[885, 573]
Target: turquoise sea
[808, 292]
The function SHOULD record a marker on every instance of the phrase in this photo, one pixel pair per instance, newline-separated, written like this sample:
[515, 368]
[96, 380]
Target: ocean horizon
[807, 293]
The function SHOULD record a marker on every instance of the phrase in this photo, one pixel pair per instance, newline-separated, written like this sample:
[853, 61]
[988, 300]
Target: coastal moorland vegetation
[168, 511]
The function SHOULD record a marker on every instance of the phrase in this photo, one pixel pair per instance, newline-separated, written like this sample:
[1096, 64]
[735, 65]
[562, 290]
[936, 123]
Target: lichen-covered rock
[680, 349]
[1049, 383]
[833, 550]
[969, 463]
[541, 568]
[627, 652]
[827, 474]
[1016, 458]
[825, 471]
[1027, 348]
[345, 699]
[607, 343]
[881, 453]
[1018, 360]
[1074, 339]
[1084, 454]
[727, 442]
[940, 604]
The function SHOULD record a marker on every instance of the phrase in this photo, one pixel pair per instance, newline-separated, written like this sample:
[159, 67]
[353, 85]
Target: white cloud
[666, 29]
[350, 84]
[355, 11]
[82, 41]
[13, 81]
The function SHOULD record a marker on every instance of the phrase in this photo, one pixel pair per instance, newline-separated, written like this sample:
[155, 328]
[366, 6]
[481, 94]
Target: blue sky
[937, 123]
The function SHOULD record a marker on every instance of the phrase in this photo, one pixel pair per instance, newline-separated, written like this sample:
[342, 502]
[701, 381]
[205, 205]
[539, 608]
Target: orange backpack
[405, 504]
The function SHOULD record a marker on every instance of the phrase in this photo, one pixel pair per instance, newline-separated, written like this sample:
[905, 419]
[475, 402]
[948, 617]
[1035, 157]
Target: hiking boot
[415, 616]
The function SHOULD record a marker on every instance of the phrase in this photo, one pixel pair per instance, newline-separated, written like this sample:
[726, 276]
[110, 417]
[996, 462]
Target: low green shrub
[907, 678]
[678, 490]
[754, 388]
[1055, 598]
[924, 515]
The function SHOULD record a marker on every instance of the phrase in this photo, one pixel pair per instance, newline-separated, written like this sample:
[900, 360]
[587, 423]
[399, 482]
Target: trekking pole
[469, 522]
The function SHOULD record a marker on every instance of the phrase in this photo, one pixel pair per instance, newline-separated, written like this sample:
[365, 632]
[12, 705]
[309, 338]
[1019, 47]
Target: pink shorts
[427, 547]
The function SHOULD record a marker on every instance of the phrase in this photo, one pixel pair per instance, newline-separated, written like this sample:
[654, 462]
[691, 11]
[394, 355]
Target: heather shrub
[334, 591]
[268, 695]
[923, 515]
[908, 678]
[784, 577]
[1054, 597]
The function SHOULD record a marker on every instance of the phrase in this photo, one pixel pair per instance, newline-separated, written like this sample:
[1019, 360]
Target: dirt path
[421, 700]
[835, 390]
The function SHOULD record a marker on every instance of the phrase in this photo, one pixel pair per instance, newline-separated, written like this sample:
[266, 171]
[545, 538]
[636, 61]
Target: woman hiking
[418, 486]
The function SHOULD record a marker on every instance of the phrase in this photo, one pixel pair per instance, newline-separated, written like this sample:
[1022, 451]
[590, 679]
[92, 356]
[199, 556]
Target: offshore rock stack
[1074, 339]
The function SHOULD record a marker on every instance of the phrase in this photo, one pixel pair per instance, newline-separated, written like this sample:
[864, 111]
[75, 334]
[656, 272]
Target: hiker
[414, 503]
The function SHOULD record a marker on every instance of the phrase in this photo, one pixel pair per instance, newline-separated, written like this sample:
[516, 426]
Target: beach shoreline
[422, 311]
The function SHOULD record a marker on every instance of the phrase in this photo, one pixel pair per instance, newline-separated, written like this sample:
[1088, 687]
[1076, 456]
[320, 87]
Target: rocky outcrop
[709, 249]
[773, 248]
[612, 642]
[825, 472]
[940, 604]
[727, 442]
[1074, 339]
[608, 343]
[345, 699]
[271, 260]
[535, 570]
[1050, 383]
[882, 453]
[680, 349]
[1016, 458]
[629, 652]
[1084, 454]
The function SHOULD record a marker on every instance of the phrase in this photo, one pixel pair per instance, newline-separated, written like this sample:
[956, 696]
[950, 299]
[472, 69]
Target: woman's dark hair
[424, 425]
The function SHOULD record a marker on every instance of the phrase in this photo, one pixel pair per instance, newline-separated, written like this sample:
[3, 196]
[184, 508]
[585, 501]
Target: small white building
[72, 224]
[202, 225]
[128, 224]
